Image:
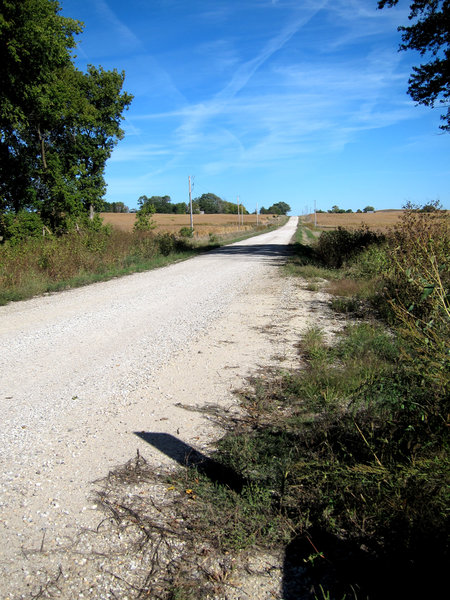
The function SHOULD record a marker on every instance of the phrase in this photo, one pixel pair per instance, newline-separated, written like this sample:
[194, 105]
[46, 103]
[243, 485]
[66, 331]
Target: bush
[166, 243]
[372, 262]
[336, 247]
[144, 218]
[17, 227]
[186, 232]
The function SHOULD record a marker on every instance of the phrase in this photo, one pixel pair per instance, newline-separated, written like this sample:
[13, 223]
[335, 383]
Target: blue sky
[299, 101]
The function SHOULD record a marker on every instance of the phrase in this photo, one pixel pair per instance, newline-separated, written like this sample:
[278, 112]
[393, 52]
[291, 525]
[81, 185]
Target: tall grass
[30, 266]
[40, 265]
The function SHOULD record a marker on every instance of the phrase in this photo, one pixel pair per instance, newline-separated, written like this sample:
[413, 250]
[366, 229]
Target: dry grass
[380, 220]
[203, 224]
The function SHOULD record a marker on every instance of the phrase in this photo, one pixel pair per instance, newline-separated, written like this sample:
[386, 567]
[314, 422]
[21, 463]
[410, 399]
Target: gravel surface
[82, 371]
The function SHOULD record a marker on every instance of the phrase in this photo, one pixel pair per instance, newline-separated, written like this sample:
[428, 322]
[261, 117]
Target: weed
[313, 345]
[345, 305]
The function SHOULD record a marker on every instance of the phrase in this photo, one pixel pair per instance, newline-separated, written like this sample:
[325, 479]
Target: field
[203, 224]
[380, 220]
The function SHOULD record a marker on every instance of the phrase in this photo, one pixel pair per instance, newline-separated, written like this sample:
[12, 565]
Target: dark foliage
[429, 34]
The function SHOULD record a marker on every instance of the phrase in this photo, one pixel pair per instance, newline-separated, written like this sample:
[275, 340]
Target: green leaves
[429, 34]
[58, 125]
[428, 289]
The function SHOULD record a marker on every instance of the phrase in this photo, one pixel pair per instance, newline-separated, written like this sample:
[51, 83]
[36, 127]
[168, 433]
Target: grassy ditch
[342, 462]
[38, 265]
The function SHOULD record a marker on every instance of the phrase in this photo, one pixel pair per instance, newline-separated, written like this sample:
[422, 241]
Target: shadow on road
[276, 253]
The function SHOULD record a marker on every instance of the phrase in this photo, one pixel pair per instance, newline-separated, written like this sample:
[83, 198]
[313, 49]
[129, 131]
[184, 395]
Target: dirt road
[84, 371]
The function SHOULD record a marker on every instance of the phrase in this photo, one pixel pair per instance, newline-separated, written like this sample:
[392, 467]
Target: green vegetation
[32, 264]
[58, 125]
[207, 203]
[212, 204]
[279, 208]
[336, 210]
[162, 204]
[344, 461]
[40, 265]
[114, 207]
[428, 33]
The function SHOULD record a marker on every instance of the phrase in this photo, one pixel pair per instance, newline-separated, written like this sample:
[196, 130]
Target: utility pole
[190, 204]
[238, 215]
[315, 214]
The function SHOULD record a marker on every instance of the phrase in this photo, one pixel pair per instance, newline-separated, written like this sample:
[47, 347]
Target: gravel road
[75, 373]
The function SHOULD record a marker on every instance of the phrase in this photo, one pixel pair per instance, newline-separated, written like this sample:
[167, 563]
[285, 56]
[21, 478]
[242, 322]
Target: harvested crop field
[380, 220]
[203, 224]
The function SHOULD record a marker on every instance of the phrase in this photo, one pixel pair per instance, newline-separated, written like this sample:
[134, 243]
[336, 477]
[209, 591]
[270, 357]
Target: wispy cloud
[201, 113]
[134, 152]
[271, 110]
[125, 35]
[247, 70]
[308, 108]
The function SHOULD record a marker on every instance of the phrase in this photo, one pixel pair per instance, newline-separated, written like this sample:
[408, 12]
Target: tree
[115, 207]
[144, 215]
[210, 203]
[180, 208]
[429, 35]
[161, 204]
[279, 208]
[368, 209]
[58, 125]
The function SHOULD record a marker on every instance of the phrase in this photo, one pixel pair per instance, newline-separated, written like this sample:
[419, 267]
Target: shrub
[186, 232]
[336, 247]
[166, 243]
[144, 218]
[17, 227]
[372, 262]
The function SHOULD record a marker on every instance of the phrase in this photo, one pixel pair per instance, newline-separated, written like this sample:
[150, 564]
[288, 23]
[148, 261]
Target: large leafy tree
[161, 204]
[429, 34]
[210, 203]
[58, 125]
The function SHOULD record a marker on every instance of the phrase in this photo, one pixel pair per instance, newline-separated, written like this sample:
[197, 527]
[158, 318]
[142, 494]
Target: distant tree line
[208, 203]
[279, 208]
[114, 207]
[162, 205]
[211, 204]
[432, 206]
[335, 209]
